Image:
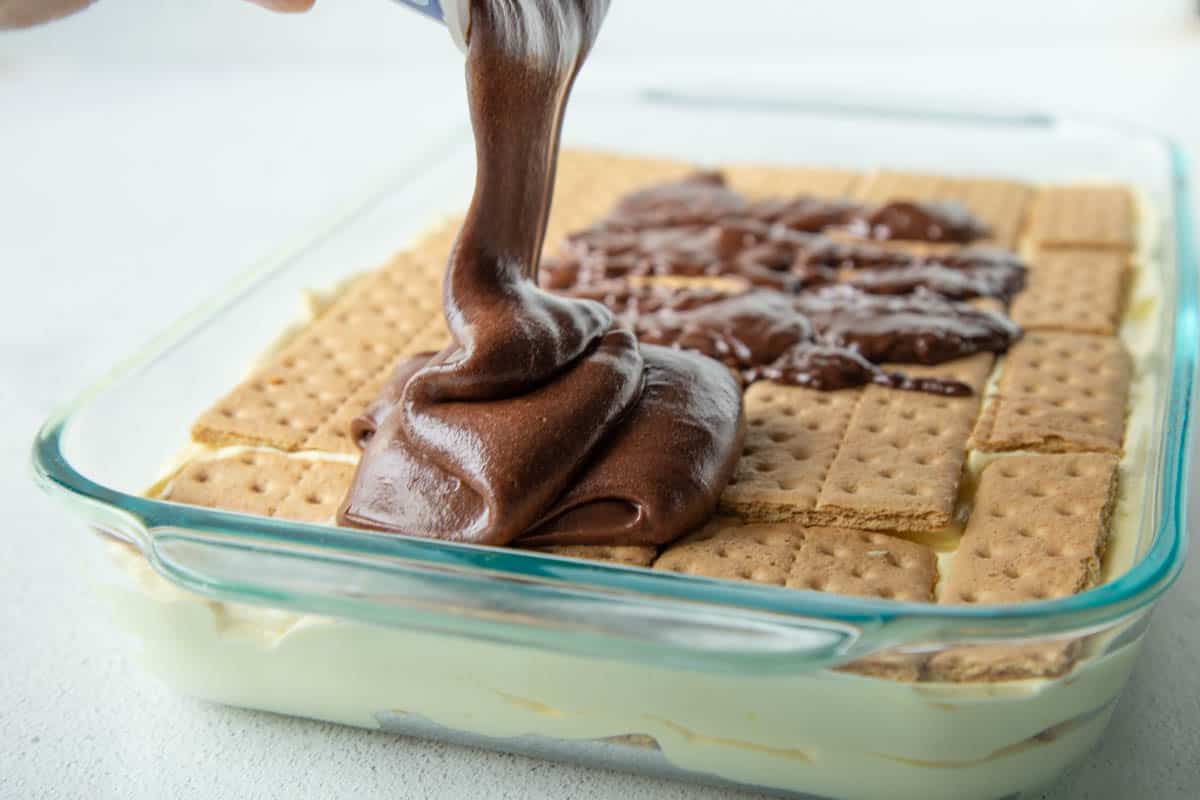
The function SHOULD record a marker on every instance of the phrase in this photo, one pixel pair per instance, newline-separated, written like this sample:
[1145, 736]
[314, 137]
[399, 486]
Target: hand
[27, 13]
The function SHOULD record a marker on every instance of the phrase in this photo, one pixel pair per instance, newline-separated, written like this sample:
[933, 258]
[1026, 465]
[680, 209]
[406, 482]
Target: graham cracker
[1083, 216]
[1002, 662]
[1026, 540]
[1074, 290]
[792, 436]
[758, 180]
[266, 483]
[1000, 204]
[1037, 530]
[285, 402]
[823, 559]
[588, 184]
[629, 555]
[893, 666]
[333, 435]
[1058, 393]
[900, 462]
[318, 494]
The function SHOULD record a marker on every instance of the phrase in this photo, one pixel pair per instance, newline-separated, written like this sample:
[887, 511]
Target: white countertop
[146, 160]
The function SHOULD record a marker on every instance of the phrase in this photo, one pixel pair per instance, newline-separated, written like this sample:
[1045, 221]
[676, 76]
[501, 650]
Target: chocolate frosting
[926, 221]
[545, 421]
[793, 305]
[922, 327]
[698, 227]
[829, 338]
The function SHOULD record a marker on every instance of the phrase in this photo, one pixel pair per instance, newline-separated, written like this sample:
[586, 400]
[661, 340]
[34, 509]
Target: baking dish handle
[532, 612]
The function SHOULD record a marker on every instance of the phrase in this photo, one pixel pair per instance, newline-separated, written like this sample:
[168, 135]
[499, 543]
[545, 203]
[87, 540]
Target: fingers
[26, 13]
[286, 6]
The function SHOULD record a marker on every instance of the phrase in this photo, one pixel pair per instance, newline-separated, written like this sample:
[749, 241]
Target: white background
[150, 150]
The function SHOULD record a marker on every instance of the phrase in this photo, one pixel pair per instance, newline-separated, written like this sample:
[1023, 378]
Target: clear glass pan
[100, 452]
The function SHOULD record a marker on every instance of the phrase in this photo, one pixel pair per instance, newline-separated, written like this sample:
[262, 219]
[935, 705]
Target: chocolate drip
[951, 283]
[923, 221]
[831, 338]
[545, 420]
[697, 227]
[806, 214]
[920, 328]
[792, 305]
[828, 367]
[699, 198]
[743, 331]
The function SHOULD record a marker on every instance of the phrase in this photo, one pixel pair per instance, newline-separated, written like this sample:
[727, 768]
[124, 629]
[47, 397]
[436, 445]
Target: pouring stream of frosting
[545, 421]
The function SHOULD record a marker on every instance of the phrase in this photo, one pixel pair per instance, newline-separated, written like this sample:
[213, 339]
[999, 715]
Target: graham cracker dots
[1083, 216]
[792, 437]
[251, 482]
[1058, 392]
[1037, 530]
[899, 465]
[318, 493]
[821, 559]
[1076, 290]
[285, 402]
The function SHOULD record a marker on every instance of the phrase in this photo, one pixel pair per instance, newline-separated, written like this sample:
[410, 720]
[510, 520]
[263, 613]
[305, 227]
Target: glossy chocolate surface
[546, 420]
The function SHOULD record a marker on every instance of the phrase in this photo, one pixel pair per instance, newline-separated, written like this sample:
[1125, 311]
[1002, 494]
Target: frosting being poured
[545, 421]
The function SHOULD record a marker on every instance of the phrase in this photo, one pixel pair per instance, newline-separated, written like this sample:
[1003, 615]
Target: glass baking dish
[619, 666]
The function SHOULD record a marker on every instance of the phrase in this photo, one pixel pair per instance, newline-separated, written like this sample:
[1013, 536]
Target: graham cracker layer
[894, 666]
[792, 437]
[819, 468]
[630, 555]
[1000, 662]
[872, 458]
[1057, 393]
[1083, 216]
[266, 483]
[286, 403]
[1076, 290]
[757, 180]
[250, 482]
[317, 494]
[1037, 530]
[823, 559]
[900, 463]
[1001, 204]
